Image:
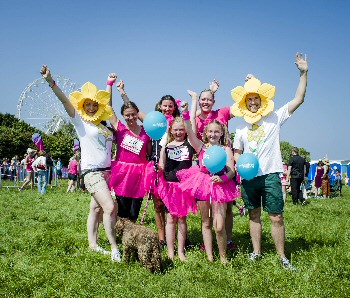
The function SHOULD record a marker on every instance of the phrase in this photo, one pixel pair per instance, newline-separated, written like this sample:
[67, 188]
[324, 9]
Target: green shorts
[264, 190]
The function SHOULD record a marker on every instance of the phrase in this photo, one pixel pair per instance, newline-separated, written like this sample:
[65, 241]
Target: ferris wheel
[39, 106]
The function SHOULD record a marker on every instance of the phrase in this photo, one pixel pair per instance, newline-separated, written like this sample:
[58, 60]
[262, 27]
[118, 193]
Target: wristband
[224, 178]
[53, 84]
[110, 83]
[186, 115]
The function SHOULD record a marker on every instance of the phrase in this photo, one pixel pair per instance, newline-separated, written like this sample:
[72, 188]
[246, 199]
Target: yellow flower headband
[90, 91]
[253, 85]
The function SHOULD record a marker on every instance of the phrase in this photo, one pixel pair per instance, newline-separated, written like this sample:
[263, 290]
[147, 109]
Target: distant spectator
[326, 189]
[73, 171]
[40, 167]
[59, 168]
[296, 175]
[28, 161]
[318, 178]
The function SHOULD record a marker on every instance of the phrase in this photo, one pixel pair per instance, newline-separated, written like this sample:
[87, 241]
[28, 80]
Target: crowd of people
[172, 170]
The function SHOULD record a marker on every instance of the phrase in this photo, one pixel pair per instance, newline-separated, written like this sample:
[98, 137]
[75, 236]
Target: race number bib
[179, 153]
[132, 144]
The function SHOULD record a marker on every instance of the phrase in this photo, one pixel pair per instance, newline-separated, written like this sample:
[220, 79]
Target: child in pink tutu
[175, 156]
[198, 182]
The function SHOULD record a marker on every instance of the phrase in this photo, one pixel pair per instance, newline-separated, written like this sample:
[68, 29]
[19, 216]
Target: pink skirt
[152, 178]
[178, 202]
[127, 179]
[199, 186]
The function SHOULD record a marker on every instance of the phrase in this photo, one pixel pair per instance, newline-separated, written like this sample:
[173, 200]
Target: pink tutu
[178, 202]
[198, 184]
[127, 179]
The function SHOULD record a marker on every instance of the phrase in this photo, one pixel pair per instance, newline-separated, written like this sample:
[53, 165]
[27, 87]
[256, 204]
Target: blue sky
[167, 47]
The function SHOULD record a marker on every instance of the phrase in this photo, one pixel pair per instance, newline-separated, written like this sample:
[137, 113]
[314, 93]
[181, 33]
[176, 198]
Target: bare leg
[181, 237]
[104, 199]
[284, 191]
[219, 214]
[255, 229]
[170, 234]
[93, 222]
[229, 221]
[70, 184]
[207, 225]
[160, 217]
[278, 232]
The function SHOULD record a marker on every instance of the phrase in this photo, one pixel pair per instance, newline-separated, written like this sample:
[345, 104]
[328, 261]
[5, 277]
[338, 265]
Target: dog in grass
[141, 241]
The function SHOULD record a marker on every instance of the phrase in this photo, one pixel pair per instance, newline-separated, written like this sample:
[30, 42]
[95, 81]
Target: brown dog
[141, 240]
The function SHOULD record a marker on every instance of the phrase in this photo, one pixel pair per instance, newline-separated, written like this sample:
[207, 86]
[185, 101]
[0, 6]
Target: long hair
[223, 140]
[176, 112]
[170, 135]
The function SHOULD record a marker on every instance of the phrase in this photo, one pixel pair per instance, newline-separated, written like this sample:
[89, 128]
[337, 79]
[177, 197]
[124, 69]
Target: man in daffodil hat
[260, 135]
[87, 108]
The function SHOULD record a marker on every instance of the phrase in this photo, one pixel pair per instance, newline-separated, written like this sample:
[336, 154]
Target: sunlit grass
[44, 253]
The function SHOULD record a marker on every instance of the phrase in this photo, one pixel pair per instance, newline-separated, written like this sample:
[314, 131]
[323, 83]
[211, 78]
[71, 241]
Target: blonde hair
[223, 140]
[170, 135]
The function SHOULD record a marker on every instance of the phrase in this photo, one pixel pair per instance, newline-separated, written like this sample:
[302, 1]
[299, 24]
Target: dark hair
[128, 105]
[295, 150]
[176, 112]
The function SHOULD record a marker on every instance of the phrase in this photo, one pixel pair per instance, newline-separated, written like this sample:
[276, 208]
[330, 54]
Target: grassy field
[44, 253]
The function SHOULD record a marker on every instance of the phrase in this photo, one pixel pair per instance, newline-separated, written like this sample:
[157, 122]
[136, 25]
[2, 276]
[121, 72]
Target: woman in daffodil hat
[253, 100]
[87, 108]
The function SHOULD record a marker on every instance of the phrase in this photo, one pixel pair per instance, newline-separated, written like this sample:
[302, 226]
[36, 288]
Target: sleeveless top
[177, 158]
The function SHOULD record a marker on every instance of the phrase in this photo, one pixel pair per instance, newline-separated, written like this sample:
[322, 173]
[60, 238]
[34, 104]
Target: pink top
[29, 167]
[73, 167]
[284, 175]
[223, 115]
[131, 148]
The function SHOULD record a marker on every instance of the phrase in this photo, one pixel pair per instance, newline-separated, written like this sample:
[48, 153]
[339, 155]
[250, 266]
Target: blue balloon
[215, 158]
[248, 166]
[155, 125]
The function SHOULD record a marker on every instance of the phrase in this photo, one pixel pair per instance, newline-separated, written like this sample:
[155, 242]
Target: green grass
[44, 253]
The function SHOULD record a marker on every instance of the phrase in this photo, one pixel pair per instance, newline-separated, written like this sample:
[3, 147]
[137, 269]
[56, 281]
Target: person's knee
[254, 214]
[276, 219]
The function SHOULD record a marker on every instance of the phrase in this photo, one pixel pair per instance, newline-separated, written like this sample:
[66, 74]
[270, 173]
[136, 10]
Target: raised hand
[45, 72]
[249, 76]
[214, 86]
[184, 106]
[112, 77]
[120, 86]
[301, 63]
[193, 94]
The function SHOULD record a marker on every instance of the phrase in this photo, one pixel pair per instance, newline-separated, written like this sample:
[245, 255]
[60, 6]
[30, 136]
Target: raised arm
[193, 112]
[301, 90]
[192, 136]
[112, 77]
[45, 72]
[125, 98]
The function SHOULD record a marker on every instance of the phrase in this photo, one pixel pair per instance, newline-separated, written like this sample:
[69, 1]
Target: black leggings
[129, 207]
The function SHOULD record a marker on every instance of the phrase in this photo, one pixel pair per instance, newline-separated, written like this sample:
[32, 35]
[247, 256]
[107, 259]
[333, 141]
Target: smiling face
[130, 115]
[167, 107]
[178, 131]
[213, 133]
[206, 101]
[90, 107]
[253, 102]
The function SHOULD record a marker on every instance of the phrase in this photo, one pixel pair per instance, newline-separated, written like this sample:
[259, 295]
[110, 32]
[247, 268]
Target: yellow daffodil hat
[90, 91]
[253, 85]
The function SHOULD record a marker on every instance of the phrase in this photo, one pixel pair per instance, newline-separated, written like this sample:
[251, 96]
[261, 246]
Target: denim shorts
[264, 190]
[96, 181]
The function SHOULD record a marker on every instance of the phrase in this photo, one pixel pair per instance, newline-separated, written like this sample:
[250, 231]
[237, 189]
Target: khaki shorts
[97, 181]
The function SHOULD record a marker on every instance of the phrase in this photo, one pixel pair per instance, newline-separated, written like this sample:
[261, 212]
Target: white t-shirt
[263, 139]
[95, 143]
[40, 163]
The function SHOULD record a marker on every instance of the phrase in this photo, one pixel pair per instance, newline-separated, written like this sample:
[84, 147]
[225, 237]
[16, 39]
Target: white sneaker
[115, 255]
[100, 250]
[287, 265]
